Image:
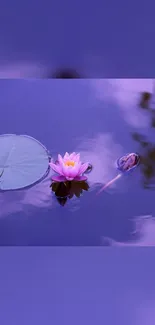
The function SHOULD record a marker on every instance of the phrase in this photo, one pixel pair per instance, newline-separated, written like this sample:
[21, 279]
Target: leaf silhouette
[62, 201]
[67, 190]
[145, 98]
[153, 122]
[65, 74]
[137, 137]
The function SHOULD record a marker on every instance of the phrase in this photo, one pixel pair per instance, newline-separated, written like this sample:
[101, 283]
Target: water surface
[100, 119]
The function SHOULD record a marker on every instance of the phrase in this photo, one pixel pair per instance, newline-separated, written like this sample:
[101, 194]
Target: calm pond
[102, 120]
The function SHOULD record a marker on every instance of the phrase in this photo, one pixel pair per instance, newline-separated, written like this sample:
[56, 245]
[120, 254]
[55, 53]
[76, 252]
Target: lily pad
[24, 161]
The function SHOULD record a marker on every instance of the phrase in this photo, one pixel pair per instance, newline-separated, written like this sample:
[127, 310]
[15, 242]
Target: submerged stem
[109, 183]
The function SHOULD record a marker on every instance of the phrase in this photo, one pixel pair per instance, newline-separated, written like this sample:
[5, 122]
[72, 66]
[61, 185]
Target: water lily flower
[69, 168]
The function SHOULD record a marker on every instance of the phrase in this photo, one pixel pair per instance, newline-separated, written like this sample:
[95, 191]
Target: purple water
[97, 119]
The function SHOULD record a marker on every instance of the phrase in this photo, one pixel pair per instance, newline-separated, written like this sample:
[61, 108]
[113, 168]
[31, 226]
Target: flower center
[70, 163]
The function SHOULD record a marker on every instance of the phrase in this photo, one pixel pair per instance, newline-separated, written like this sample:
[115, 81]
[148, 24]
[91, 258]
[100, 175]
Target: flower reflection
[144, 232]
[67, 190]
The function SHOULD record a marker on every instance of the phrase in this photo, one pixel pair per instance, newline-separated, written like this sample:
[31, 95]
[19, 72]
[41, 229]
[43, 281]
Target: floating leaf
[23, 161]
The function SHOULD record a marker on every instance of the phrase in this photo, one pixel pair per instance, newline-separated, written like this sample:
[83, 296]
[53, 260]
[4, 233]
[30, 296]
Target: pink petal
[60, 159]
[69, 178]
[74, 170]
[78, 166]
[77, 158]
[66, 156]
[69, 171]
[65, 170]
[83, 168]
[57, 178]
[80, 178]
[56, 168]
[72, 156]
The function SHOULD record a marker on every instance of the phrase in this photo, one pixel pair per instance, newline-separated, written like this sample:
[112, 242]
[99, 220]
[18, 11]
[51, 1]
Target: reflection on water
[38, 196]
[147, 166]
[126, 94]
[136, 99]
[23, 70]
[146, 146]
[65, 74]
[144, 312]
[66, 190]
[145, 99]
[102, 151]
[143, 234]
[103, 120]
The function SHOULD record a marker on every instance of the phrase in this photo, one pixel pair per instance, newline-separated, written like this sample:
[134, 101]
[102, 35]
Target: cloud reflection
[145, 313]
[144, 233]
[23, 70]
[102, 152]
[38, 196]
[126, 94]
